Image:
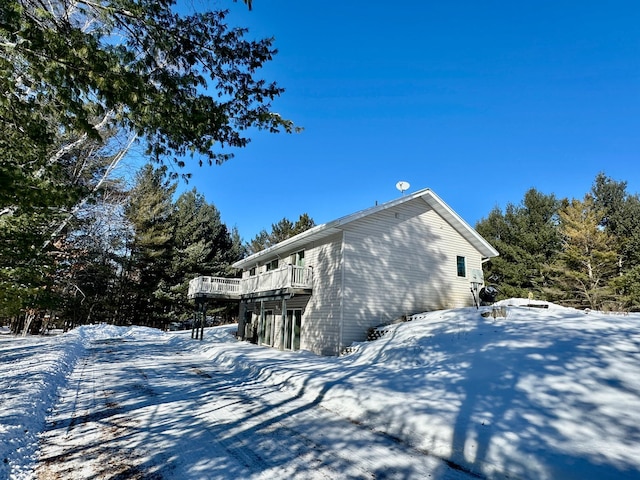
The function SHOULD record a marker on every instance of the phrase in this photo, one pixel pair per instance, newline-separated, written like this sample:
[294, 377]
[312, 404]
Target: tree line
[128, 259]
[583, 253]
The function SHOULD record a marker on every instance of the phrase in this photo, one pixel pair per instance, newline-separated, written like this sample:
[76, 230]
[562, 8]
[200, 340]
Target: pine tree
[527, 238]
[94, 253]
[304, 222]
[35, 227]
[280, 231]
[150, 211]
[627, 290]
[621, 219]
[202, 246]
[83, 80]
[185, 83]
[238, 248]
[587, 262]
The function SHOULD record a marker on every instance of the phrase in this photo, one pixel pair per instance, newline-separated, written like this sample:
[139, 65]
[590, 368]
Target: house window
[252, 272]
[272, 265]
[462, 268]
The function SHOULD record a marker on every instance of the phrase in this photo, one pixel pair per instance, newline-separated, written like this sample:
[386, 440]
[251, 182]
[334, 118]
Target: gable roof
[321, 231]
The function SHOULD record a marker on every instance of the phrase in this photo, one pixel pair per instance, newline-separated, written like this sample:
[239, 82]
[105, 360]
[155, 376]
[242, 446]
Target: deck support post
[199, 319]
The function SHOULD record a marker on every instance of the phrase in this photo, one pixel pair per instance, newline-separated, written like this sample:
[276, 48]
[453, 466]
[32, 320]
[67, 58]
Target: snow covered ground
[545, 393]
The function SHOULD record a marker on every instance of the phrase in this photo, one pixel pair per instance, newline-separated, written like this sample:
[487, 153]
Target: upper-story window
[462, 267]
[252, 272]
[272, 265]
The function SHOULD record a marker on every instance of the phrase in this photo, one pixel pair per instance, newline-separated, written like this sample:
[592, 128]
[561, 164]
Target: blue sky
[479, 101]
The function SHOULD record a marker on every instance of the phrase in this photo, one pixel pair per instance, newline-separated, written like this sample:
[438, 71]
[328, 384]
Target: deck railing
[289, 276]
[212, 286]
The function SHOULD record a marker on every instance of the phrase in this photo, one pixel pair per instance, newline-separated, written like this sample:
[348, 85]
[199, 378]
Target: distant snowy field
[545, 393]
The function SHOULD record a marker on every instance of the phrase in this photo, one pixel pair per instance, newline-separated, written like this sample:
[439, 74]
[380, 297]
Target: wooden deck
[288, 277]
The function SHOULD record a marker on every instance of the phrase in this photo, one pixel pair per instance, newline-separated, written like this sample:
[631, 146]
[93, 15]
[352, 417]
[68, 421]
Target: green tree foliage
[280, 231]
[132, 264]
[150, 211]
[238, 248]
[201, 241]
[620, 217]
[25, 269]
[626, 288]
[202, 246]
[527, 238]
[185, 83]
[620, 212]
[34, 226]
[94, 258]
[587, 263]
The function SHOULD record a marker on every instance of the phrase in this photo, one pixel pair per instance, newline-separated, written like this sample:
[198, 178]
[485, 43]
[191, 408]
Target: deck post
[199, 317]
[195, 320]
[204, 319]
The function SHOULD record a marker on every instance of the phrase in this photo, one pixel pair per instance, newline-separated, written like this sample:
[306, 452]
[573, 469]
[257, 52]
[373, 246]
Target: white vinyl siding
[321, 318]
[401, 261]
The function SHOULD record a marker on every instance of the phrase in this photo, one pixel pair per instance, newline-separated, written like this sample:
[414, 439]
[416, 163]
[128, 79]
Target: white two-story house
[323, 289]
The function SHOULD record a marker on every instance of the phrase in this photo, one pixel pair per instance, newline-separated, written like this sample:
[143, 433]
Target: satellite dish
[402, 186]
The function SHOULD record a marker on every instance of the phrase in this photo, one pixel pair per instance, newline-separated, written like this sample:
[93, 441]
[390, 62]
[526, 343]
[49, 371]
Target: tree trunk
[30, 316]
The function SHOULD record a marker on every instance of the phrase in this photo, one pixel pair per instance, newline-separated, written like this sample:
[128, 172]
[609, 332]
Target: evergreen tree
[259, 242]
[587, 262]
[621, 219]
[238, 249]
[527, 239]
[304, 222]
[202, 246]
[150, 211]
[185, 83]
[94, 256]
[280, 231]
[81, 81]
[626, 288]
[34, 227]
